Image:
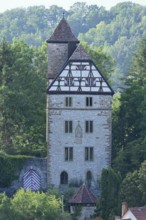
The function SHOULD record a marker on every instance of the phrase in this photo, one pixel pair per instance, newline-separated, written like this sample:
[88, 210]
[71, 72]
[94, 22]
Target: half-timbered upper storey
[80, 75]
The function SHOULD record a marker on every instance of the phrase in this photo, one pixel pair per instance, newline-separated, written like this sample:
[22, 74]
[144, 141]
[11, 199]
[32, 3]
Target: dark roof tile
[80, 54]
[62, 33]
[83, 196]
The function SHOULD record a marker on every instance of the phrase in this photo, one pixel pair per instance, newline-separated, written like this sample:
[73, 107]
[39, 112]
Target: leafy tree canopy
[31, 205]
[22, 98]
[117, 31]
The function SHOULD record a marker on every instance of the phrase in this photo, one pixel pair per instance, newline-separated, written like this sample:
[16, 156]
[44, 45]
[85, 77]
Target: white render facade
[78, 113]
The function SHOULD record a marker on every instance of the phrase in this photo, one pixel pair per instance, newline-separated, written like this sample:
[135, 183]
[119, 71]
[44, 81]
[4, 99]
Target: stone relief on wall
[78, 134]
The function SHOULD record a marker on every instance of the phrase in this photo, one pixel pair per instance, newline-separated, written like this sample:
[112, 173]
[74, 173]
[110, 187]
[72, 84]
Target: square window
[89, 101]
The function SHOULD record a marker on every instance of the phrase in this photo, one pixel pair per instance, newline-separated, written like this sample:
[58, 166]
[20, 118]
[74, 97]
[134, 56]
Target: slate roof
[139, 212]
[62, 33]
[80, 54]
[83, 197]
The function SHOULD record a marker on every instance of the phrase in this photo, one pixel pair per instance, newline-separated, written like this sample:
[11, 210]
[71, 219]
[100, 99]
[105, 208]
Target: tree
[104, 62]
[83, 17]
[133, 187]
[129, 190]
[22, 95]
[110, 184]
[32, 205]
[129, 135]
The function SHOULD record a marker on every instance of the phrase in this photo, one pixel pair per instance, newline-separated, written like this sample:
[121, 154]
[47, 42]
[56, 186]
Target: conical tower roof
[80, 54]
[83, 197]
[62, 33]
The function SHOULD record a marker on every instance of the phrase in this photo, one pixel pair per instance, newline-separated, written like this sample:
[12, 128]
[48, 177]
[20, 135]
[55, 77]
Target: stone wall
[40, 166]
[37, 164]
[57, 56]
[100, 139]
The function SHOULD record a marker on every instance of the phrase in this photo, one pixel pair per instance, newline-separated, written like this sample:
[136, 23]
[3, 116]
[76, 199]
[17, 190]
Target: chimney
[124, 208]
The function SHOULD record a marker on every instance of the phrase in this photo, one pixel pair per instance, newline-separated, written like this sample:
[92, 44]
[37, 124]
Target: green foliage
[32, 205]
[129, 129]
[82, 17]
[130, 191]
[77, 212]
[10, 169]
[22, 98]
[118, 35]
[117, 31]
[109, 199]
[129, 124]
[103, 61]
[133, 187]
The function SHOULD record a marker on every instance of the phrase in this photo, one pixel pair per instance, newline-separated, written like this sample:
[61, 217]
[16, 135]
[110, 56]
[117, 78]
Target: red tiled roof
[80, 54]
[139, 212]
[83, 197]
[62, 33]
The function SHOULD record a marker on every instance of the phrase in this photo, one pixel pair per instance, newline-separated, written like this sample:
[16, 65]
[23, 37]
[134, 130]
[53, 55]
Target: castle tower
[79, 116]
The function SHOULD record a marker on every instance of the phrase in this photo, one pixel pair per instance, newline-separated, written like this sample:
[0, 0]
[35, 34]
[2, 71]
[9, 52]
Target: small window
[89, 126]
[64, 178]
[89, 153]
[68, 101]
[68, 153]
[68, 126]
[89, 101]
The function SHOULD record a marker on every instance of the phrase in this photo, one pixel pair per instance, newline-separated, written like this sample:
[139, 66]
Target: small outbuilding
[86, 201]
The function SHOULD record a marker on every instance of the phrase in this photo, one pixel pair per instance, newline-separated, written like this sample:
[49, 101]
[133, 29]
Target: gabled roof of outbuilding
[83, 197]
[62, 33]
[80, 54]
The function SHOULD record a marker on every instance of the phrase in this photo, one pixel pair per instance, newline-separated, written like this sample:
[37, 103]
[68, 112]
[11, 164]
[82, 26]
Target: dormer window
[89, 101]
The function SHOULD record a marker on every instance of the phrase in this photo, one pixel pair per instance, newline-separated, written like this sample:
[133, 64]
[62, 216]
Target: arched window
[88, 178]
[64, 178]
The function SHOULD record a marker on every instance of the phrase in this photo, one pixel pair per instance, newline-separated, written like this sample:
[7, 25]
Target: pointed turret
[61, 45]
[62, 33]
